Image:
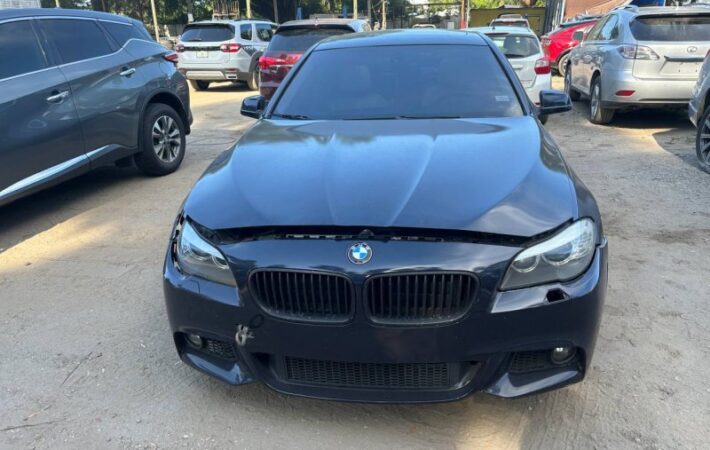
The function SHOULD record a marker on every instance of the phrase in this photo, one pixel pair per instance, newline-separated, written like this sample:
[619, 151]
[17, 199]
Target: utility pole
[276, 12]
[462, 15]
[248, 9]
[155, 21]
[383, 26]
[354, 9]
[56, 2]
[369, 11]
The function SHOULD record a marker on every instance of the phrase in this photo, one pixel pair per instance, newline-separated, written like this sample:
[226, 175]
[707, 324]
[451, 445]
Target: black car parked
[390, 231]
[79, 90]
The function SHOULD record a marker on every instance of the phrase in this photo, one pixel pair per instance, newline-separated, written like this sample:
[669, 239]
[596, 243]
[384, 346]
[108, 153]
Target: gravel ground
[88, 360]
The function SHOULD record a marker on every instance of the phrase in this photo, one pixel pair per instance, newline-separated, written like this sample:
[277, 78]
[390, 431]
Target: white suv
[223, 50]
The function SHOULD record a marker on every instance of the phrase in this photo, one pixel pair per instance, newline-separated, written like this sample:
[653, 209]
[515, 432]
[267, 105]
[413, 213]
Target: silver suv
[699, 112]
[223, 50]
[639, 57]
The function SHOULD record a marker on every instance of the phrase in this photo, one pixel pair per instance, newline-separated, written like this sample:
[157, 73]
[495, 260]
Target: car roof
[509, 19]
[508, 30]
[327, 21]
[421, 36]
[228, 21]
[664, 10]
[60, 12]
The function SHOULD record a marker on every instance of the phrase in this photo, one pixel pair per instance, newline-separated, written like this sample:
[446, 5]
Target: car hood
[502, 176]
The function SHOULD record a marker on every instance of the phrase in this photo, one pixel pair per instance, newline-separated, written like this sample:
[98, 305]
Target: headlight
[198, 257]
[562, 257]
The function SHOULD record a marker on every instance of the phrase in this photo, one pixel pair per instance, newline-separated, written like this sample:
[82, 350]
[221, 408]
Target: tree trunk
[190, 13]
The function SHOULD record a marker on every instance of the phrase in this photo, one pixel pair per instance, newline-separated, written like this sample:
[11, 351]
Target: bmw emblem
[359, 253]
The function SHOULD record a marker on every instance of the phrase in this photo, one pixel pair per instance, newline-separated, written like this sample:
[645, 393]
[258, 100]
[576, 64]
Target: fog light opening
[562, 355]
[194, 340]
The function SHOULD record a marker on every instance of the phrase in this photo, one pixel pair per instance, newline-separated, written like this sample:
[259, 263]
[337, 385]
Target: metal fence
[20, 4]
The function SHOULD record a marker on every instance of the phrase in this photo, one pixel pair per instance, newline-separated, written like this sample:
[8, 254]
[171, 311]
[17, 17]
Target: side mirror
[253, 106]
[578, 36]
[553, 102]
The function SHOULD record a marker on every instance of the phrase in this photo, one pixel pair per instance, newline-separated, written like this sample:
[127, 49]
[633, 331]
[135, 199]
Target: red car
[291, 40]
[559, 43]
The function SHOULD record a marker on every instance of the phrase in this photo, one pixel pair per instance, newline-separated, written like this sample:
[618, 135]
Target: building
[5, 4]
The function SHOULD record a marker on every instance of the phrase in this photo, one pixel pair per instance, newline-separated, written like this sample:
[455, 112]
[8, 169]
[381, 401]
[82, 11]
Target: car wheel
[543, 118]
[702, 141]
[562, 64]
[574, 95]
[163, 141]
[199, 85]
[597, 113]
[253, 81]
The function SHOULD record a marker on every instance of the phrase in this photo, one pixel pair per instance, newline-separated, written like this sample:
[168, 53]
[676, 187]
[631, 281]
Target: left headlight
[562, 257]
[198, 257]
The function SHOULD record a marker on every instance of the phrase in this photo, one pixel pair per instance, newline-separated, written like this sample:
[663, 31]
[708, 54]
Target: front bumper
[481, 347]
[651, 93]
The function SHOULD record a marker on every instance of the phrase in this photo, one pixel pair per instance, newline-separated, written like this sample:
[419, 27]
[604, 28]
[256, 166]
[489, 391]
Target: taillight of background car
[230, 47]
[282, 60]
[542, 66]
[179, 48]
[638, 52]
[172, 57]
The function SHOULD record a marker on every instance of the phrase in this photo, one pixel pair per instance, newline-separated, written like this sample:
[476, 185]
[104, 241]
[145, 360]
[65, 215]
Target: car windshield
[672, 28]
[207, 33]
[515, 46]
[301, 39]
[399, 82]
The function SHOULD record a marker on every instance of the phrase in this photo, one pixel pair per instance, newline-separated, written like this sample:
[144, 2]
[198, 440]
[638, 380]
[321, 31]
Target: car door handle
[58, 97]
[127, 72]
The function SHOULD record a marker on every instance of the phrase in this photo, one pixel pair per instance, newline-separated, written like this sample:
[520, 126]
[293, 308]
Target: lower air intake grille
[370, 375]
[221, 349]
[419, 297]
[303, 295]
[531, 361]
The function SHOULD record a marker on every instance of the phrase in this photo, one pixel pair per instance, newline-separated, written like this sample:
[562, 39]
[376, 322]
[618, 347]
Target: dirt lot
[88, 360]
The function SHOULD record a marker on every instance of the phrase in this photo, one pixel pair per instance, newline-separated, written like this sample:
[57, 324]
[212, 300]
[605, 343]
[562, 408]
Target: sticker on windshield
[502, 98]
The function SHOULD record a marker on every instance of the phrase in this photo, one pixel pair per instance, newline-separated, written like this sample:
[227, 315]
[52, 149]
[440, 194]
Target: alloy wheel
[704, 141]
[166, 138]
[594, 101]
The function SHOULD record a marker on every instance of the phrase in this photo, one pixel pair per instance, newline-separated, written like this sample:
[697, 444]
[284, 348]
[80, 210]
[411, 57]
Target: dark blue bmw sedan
[397, 226]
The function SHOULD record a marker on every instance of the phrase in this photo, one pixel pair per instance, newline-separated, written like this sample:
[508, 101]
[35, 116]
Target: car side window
[20, 51]
[245, 32]
[264, 32]
[76, 40]
[609, 30]
[122, 32]
[594, 32]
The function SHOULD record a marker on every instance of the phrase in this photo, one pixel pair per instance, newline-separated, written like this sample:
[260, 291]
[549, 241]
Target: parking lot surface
[88, 360]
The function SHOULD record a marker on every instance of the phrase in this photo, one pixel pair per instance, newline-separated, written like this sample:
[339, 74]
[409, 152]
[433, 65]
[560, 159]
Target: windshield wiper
[291, 116]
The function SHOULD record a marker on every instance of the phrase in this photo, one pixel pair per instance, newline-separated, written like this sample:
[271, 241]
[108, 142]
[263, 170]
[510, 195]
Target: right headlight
[196, 256]
[562, 257]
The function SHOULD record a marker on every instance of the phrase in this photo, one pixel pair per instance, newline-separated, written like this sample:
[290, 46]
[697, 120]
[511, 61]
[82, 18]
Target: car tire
[253, 81]
[573, 94]
[597, 113]
[702, 141]
[199, 85]
[162, 141]
[543, 118]
[562, 64]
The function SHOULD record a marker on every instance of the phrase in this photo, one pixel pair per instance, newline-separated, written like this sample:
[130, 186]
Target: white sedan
[522, 48]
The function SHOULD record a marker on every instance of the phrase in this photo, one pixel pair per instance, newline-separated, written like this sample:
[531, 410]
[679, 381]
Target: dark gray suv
[79, 90]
